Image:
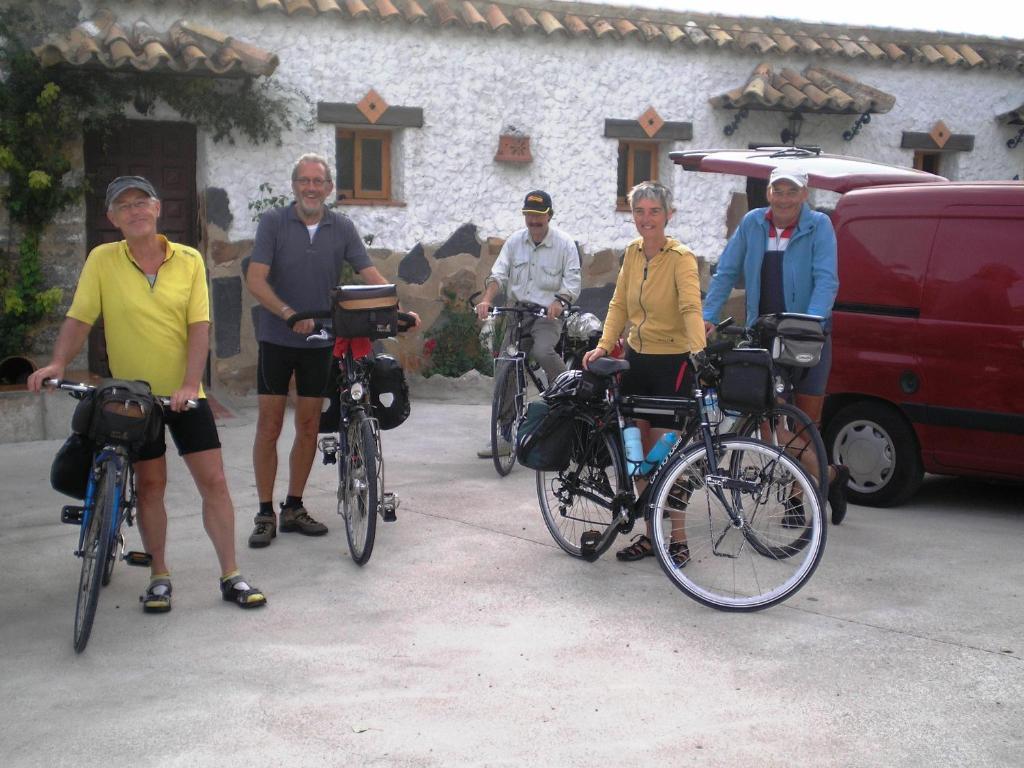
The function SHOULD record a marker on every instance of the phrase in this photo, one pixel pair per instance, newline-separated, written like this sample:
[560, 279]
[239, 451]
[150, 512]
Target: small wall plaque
[513, 149]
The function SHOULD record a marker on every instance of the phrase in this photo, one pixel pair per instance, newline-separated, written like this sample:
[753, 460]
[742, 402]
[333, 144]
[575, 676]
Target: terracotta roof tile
[555, 18]
[185, 47]
[816, 89]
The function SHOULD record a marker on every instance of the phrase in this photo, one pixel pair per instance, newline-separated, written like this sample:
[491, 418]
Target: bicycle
[514, 372]
[780, 422]
[361, 493]
[109, 504]
[724, 492]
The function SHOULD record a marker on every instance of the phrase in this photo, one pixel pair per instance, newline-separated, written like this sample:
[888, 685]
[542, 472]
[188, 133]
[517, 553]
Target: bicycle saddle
[608, 366]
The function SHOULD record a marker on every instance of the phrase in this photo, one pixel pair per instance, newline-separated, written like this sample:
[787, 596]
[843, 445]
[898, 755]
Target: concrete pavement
[471, 639]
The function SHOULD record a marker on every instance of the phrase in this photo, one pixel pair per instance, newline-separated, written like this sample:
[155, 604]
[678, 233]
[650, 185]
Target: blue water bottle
[658, 453]
[634, 448]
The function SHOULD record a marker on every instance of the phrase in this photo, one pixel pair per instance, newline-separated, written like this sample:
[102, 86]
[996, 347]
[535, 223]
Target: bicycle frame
[111, 457]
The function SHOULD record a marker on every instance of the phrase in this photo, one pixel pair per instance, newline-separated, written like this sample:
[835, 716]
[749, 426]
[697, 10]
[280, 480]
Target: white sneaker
[504, 449]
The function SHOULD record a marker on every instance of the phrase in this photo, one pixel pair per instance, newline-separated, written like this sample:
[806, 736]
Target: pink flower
[429, 346]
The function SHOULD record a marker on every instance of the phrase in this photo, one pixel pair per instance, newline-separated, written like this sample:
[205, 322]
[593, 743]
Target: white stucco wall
[559, 92]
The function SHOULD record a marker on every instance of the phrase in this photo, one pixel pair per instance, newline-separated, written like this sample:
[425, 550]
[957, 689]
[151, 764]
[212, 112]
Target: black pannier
[746, 383]
[796, 340]
[69, 473]
[119, 411]
[545, 436]
[389, 392]
[365, 310]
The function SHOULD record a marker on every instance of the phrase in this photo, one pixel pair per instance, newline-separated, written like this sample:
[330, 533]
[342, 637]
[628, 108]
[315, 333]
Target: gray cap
[788, 174]
[124, 183]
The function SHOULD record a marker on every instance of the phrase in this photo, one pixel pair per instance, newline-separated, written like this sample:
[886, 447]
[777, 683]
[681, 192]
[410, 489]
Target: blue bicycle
[109, 503]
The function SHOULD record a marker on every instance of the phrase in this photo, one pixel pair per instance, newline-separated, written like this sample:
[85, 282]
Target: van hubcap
[868, 451]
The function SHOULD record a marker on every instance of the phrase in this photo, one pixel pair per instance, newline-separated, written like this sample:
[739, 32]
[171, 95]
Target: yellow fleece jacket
[661, 298]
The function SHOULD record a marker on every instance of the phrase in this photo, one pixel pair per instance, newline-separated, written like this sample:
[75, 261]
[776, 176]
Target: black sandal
[679, 552]
[158, 596]
[237, 590]
[638, 550]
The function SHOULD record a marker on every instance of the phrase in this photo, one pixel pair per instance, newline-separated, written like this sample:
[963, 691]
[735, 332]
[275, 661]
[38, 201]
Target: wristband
[284, 308]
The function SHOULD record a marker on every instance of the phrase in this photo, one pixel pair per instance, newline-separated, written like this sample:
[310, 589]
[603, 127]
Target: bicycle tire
[117, 543]
[800, 427]
[581, 497]
[737, 568]
[359, 490]
[95, 550]
[505, 416]
[108, 568]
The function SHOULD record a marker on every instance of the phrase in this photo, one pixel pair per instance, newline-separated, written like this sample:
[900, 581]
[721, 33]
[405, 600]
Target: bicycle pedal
[329, 448]
[138, 558]
[71, 515]
[588, 542]
[390, 503]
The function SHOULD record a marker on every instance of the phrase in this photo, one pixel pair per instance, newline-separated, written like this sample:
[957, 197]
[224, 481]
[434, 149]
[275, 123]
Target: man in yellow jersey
[153, 298]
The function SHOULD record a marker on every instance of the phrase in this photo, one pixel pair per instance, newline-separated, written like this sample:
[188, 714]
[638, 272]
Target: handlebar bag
[119, 411]
[795, 341]
[365, 310]
[745, 381]
[544, 439]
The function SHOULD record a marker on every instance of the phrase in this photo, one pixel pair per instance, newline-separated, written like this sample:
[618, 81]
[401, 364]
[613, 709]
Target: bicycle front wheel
[581, 497]
[504, 415]
[96, 542]
[786, 426]
[755, 558]
[359, 490]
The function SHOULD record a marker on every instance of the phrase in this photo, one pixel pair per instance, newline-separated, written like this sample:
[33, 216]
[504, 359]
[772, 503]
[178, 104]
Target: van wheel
[880, 448]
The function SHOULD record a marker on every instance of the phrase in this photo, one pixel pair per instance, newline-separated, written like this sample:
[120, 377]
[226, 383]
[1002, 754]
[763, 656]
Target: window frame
[631, 146]
[357, 195]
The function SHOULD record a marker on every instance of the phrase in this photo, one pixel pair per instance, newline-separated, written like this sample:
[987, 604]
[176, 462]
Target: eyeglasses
[305, 181]
[138, 205]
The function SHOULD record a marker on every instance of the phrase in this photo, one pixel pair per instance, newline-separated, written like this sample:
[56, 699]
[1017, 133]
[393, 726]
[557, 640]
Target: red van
[928, 330]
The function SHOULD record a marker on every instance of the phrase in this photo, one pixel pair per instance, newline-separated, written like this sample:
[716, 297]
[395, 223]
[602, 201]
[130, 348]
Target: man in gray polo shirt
[296, 259]
[535, 265]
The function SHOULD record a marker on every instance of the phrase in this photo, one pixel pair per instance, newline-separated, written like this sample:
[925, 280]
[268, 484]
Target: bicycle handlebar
[79, 389]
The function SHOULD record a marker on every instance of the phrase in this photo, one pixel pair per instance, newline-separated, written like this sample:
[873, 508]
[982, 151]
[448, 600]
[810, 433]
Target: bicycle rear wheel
[504, 415]
[581, 497]
[788, 427]
[747, 564]
[95, 552]
[359, 491]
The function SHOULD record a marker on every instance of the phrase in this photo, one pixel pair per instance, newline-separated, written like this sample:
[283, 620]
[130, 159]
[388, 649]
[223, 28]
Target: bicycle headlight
[356, 391]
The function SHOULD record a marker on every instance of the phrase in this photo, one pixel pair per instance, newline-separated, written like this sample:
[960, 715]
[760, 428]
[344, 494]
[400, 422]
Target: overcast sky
[1004, 18]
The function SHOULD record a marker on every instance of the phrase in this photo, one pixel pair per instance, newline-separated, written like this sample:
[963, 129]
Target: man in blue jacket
[787, 256]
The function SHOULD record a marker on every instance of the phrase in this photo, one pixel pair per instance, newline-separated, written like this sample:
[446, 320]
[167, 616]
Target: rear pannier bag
[389, 392]
[746, 381]
[119, 411]
[796, 341]
[545, 436]
[365, 310]
[69, 473]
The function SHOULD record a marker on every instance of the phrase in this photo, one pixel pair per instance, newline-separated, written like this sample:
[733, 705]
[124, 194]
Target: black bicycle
[514, 371]
[722, 530]
[361, 492]
[781, 423]
[108, 504]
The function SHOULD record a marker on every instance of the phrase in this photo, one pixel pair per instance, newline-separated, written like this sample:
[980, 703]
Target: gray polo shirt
[302, 273]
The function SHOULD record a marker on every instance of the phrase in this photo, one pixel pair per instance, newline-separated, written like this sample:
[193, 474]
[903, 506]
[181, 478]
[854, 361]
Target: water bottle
[634, 448]
[658, 453]
[711, 405]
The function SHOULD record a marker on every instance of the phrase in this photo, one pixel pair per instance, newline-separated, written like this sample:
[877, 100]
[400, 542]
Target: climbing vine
[43, 114]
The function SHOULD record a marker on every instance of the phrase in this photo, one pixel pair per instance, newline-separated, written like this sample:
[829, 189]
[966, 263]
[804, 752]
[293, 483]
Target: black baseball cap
[537, 201]
[124, 183]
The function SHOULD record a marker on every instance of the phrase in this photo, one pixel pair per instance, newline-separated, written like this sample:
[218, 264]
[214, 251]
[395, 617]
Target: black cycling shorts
[193, 431]
[276, 364]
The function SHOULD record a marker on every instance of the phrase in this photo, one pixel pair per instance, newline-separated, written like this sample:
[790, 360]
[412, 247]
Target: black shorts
[193, 431]
[658, 375]
[276, 364]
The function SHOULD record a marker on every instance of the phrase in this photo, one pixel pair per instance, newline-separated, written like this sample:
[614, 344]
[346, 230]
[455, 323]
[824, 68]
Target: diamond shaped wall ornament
[651, 122]
[372, 106]
[939, 134]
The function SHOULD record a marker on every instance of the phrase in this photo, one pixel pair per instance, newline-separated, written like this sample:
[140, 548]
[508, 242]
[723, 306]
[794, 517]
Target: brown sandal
[638, 550]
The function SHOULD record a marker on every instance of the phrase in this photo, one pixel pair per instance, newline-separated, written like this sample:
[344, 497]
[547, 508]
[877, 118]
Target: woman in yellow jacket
[658, 293]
